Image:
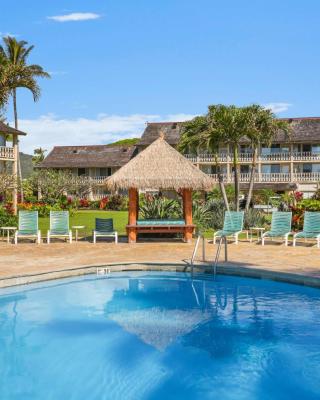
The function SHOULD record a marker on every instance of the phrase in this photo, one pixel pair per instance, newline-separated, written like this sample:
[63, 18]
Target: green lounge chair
[104, 228]
[28, 226]
[311, 227]
[232, 226]
[59, 225]
[280, 226]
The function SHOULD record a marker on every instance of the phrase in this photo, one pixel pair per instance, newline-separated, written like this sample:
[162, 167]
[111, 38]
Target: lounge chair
[280, 226]
[232, 226]
[28, 226]
[104, 228]
[311, 227]
[59, 225]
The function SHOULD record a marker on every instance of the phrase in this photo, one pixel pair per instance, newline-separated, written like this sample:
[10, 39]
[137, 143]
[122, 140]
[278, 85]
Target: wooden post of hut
[187, 214]
[133, 215]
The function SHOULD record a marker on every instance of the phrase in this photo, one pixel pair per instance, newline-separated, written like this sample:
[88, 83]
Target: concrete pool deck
[29, 262]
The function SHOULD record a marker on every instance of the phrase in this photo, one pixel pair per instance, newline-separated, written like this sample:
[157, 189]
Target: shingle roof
[88, 156]
[4, 128]
[171, 132]
[303, 129]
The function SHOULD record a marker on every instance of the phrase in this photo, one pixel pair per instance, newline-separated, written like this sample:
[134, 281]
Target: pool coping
[257, 272]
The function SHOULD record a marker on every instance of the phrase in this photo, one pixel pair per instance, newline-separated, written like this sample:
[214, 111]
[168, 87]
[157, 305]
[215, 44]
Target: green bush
[153, 207]
[7, 219]
[300, 208]
[254, 218]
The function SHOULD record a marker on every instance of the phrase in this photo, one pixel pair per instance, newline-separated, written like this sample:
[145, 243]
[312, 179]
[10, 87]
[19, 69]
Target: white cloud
[75, 17]
[277, 107]
[49, 130]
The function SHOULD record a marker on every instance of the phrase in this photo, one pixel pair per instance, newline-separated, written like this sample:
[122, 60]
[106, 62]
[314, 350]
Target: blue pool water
[159, 336]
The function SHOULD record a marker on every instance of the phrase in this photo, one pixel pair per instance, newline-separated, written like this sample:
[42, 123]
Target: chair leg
[39, 237]
[70, 237]
[48, 237]
[236, 236]
[318, 242]
[94, 238]
[294, 241]
[286, 240]
[16, 238]
[116, 238]
[214, 238]
[262, 240]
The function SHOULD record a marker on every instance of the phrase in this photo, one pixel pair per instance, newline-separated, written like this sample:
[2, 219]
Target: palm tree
[229, 123]
[15, 54]
[196, 135]
[38, 155]
[262, 128]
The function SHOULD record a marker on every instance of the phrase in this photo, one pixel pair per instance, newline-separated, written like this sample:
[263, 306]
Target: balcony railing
[273, 177]
[6, 153]
[95, 179]
[247, 157]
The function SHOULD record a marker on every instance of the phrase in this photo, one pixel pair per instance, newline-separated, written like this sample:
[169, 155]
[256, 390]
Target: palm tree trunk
[252, 175]
[223, 189]
[15, 112]
[236, 177]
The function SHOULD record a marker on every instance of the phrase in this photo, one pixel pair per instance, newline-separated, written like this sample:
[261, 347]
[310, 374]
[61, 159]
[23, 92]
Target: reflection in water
[156, 336]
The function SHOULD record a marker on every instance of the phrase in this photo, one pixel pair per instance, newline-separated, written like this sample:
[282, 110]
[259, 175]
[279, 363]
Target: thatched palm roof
[159, 166]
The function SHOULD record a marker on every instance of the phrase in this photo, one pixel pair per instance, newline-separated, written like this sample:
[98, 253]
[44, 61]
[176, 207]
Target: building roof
[88, 156]
[160, 166]
[171, 131]
[306, 129]
[8, 130]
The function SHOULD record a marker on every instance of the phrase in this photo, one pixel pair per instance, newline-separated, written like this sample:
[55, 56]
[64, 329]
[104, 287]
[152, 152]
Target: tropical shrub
[300, 208]
[202, 215]
[217, 210]
[154, 207]
[7, 218]
[254, 217]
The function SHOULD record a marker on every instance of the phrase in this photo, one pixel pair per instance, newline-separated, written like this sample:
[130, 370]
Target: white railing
[6, 153]
[95, 179]
[247, 157]
[275, 157]
[272, 177]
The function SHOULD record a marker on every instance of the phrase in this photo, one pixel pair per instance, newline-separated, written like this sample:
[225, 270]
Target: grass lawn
[87, 218]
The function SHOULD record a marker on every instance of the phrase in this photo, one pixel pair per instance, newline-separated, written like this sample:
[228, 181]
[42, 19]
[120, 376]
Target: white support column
[15, 174]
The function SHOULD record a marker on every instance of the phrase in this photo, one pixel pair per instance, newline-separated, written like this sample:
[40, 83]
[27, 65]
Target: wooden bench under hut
[161, 167]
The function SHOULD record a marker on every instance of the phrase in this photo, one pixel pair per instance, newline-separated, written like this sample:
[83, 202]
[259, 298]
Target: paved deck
[29, 258]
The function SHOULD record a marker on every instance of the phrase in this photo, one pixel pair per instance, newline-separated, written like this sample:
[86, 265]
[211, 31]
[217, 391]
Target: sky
[116, 64]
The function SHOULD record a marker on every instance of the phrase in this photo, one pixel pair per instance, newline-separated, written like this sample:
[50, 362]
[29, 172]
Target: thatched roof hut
[159, 166]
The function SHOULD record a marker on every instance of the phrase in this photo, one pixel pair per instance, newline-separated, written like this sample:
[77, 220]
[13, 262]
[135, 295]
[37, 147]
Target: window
[270, 169]
[306, 148]
[306, 168]
[316, 148]
[244, 169]
[82, 172]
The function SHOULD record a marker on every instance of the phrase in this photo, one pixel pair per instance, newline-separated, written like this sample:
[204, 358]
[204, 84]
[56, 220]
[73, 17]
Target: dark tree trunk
[236, 178]
[252, 176]
[15, 112]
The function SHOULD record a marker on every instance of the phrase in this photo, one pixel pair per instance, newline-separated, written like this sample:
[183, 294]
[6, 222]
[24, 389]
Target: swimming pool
[157, 335]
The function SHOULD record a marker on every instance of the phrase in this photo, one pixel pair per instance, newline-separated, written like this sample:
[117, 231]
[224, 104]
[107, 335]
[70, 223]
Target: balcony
[247, 157]
[97, 180]
[300, 177]
[6, 153]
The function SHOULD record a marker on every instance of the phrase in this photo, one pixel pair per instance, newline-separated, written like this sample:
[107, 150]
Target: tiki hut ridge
[161, 167]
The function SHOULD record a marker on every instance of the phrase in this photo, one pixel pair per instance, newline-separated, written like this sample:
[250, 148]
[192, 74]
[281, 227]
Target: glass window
[284, 169]
[244, 169]
[306, 168]
[315, 167]
[316, 148]
[306, 148]
[82, 172]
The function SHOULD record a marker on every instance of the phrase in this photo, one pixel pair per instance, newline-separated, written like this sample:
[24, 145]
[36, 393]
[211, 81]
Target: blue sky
[116, 64]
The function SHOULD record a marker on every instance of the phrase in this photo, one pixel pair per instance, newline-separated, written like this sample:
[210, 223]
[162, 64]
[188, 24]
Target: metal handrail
[215, 264]
[199, 238]
[222, 238]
